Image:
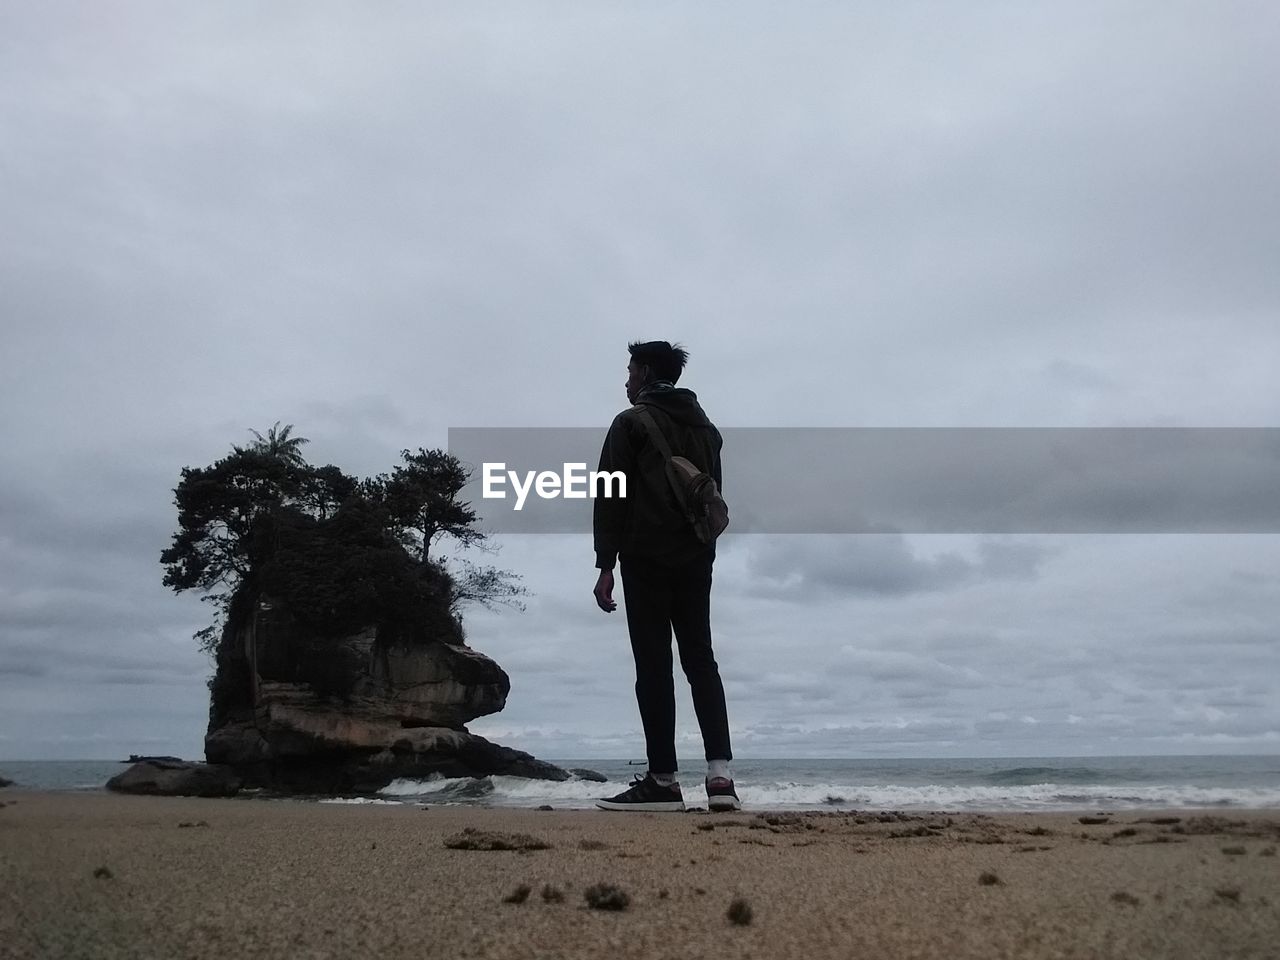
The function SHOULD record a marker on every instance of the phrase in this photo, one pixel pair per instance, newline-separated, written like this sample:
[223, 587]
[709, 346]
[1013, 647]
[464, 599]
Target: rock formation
[296, 711]
[167, 776]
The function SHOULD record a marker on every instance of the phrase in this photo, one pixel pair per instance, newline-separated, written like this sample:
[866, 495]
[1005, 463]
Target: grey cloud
[807, 686]
[894, 665]
[91, 529]
[98, 611]
[814, 568]
[872, 737]
[19, 667]
[1080, 376]
[1043, 216]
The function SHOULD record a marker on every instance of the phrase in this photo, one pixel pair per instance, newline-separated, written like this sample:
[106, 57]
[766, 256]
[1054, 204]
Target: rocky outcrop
[284, 758]
[298, 712]
[165, 776]
[5, 783]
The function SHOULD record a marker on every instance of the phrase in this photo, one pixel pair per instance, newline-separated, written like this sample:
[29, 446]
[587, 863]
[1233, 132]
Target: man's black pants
[660, 598]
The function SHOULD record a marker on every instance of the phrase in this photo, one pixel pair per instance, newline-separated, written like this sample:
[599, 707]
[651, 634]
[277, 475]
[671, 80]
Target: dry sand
[246, 878]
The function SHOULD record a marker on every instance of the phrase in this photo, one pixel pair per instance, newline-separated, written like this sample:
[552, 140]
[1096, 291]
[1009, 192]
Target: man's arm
[716, 473]
[609, 517]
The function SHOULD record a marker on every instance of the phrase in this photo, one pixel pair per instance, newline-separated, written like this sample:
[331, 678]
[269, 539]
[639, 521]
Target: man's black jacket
[648, 522]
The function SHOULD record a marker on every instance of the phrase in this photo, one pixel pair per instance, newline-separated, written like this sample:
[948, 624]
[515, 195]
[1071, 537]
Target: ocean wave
[1029, 776]
[1049, 795]
[1037, 796]
[512, 791]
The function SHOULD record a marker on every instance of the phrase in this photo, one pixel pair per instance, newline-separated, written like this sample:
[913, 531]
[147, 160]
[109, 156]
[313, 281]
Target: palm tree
[277, 443]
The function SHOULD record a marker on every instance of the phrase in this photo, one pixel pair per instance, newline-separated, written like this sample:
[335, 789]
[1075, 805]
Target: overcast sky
[380, 222]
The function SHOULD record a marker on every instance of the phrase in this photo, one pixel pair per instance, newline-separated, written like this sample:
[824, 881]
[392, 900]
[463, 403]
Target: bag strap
[655, 432]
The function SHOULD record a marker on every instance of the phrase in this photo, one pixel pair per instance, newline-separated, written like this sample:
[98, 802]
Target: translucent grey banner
[917, 480]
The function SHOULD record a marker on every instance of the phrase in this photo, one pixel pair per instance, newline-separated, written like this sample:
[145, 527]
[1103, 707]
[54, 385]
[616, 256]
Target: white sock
[718, 768]
[664, 779]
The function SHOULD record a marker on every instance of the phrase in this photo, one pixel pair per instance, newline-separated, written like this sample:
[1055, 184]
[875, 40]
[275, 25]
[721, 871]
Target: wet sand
[101, 875]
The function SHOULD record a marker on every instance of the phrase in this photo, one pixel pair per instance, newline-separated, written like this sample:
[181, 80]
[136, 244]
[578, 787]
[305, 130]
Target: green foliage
[322, 490]
[229, 686]
[487, 586]
[421, 500]
[228, 689]
[335, 551]
[219, 510]
[347, 572]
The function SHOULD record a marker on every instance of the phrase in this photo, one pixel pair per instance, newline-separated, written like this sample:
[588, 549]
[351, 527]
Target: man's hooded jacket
[648, 522]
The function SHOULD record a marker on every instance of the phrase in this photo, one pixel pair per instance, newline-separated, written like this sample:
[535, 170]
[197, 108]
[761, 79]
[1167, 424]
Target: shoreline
[986, 785]
[189, 877]
[1222, 809]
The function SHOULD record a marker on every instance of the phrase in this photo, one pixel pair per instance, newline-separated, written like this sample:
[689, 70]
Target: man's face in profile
[636, 376]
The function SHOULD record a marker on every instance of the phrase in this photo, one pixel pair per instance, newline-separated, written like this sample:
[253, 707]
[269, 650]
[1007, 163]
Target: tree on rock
[263, 521]
[221, 509]
[421, 500]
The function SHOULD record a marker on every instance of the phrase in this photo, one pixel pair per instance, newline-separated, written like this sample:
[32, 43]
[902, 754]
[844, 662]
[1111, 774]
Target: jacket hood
[678, 403]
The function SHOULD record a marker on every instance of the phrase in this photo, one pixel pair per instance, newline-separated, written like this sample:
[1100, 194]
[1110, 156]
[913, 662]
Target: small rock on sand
[519, 895]
[473, 839]
[739, 912]
[606, 896]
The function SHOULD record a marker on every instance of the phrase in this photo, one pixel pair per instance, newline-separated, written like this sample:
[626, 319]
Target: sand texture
[100, 875]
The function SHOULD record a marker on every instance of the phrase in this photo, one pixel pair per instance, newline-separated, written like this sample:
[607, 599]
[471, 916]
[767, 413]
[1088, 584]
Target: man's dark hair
[664, 360]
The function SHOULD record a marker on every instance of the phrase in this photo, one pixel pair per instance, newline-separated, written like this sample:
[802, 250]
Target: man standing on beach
[666, 575]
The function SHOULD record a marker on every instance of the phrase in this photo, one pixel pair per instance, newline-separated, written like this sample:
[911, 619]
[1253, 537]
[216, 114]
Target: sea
[960, 785]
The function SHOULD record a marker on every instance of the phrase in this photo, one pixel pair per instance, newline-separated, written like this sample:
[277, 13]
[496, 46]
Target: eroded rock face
[301, 713]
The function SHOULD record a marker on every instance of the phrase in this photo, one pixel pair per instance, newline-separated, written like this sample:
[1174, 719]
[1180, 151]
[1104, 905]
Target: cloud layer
[378, 225]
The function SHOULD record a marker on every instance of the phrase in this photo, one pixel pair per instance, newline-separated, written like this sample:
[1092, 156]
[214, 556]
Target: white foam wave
[510, 791]
[1041, 796]
[581, 794]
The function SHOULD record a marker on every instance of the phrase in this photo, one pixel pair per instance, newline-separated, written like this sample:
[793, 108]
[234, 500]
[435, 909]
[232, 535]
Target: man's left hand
[604, 592]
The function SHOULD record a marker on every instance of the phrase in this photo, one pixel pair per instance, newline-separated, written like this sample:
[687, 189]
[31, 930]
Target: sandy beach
[101, 875]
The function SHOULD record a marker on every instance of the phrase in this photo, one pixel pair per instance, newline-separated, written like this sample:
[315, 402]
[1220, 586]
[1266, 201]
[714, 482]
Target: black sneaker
[646, 794]
[721, 795]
